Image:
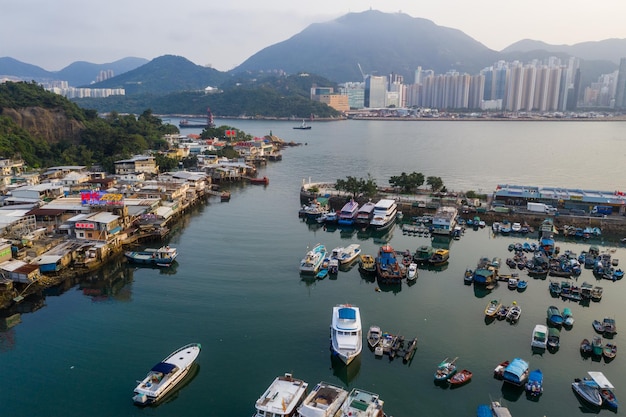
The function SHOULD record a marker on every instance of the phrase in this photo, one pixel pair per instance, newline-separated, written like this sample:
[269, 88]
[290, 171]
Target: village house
[139, 163]
[35, 194]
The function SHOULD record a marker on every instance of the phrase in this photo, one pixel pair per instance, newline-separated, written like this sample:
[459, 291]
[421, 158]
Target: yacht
[282, 397]
[384, 215]
[361, 403]
[346, 335]
[313, 259]
[324, 401]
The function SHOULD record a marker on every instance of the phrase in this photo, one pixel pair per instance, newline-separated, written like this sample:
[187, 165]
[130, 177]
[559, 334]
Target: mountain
[165, 74]
[606, 50]
[381, 43]
[76, 74]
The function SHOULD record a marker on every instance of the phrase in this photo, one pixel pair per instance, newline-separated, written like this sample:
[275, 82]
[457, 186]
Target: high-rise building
[375, 91]
[620, 91]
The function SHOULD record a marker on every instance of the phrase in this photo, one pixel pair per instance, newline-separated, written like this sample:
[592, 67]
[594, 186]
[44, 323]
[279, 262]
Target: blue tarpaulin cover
[163, 367]
[515, 371]
[347, 313]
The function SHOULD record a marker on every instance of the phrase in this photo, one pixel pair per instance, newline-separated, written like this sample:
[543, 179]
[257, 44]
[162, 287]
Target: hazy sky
[53, 34]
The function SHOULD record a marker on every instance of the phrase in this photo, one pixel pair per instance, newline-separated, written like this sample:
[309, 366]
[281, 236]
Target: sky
[222, 35]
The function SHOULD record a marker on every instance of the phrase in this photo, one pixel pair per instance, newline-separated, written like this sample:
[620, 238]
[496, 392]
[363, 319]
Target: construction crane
[361, 69]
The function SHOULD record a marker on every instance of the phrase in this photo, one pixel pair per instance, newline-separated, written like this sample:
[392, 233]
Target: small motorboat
[460, 378]
[445, 369]
[512, 284]
[568, 318]
[514, 313]
[534, 385]
[411, 273]
[596, 345]
[322, 273]
[468, 278]
[598, 326]
[609, 326]
[522, 284]
[585, 347]
[609, 351]
[492, 308]
[499, 370]
[554, 338]
[587, 392]
[554, 316]
[502, 312]
[374, 335]
[605, 388]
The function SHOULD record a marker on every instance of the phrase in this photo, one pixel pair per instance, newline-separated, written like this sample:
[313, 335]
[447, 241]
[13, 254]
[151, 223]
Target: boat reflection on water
[163, 270]
[345, 373]
[511, 392]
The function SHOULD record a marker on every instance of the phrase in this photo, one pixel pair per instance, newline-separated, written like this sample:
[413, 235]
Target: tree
[435, 183]
[358, 186]
[408, 183]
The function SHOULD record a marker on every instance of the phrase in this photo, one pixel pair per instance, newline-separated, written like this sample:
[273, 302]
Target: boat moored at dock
[282, 397]
[384, 215]
[324, 401]
[361, 403]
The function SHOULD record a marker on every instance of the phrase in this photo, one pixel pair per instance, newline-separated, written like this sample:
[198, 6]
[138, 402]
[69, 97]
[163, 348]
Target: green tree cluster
[407, 182]
[357, 186]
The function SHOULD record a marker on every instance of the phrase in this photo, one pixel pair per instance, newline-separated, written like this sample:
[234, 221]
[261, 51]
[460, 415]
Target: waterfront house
[444, 220]
[102, 226]
[20, 271]
[35, 194]
[138, 163]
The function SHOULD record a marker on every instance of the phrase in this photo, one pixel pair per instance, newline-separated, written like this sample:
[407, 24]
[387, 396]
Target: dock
[396, 346]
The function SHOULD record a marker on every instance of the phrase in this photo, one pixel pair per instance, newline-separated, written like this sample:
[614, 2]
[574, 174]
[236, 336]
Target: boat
[502, 312]
[374, 335]
[411, 272]
[492, 308]
[282, 397]
[499, 410]
[387, 266]
[468, 277]
[164, 376]
[333, 266]
[499, 370]
[610, 329]
[596, 345]
[322, 273]
[348, 213]
[596, 293]
[324, 401]
[367, 264]
[605, 387]
[460, 378]
[554, 338]
[516, 372]
[539, 339]
[554, 316]
[439, 257]
[609, 351]
[225, 196]
[361, 403]
[555, 288]
[534, 385]
[259, 181]
[568, 318]
[313, 259]
[512, 283]
[585, 347]
[303, 126]
[587, 392]
[345, 332]
[514, 313]
[445, 369]
[598, 326]
[423, 254]
[364, 214]
[163, 256]
[349, 253]
[384, 214]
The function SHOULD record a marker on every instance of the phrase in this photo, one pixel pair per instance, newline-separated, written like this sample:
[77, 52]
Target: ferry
[385, 212]
[282, 397]
[364, 214]
[348, 213]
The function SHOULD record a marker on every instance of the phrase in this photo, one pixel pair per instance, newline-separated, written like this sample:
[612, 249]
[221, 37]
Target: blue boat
[534, 386]
[484, 410]
[554, 316]
[598, 381]
[516, 372]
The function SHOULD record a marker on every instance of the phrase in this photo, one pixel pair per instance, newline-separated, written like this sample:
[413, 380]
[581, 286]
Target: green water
[237, 290]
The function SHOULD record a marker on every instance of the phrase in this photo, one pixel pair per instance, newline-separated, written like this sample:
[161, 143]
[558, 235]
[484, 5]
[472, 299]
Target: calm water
[236, 288]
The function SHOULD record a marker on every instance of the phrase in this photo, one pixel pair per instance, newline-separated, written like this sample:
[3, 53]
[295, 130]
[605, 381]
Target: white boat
[361, 403]
[374, 335]
[539, 337]
[311, 262]
[516, 227]
[588, 392]
[163, 256]
[324, 401]
[349, 253]
[282, 397]
[164, 376]
[411, 273]
[384, 215]
[346, 333]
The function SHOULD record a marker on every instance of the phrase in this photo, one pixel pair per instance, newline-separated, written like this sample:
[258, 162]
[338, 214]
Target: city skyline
[225, 35]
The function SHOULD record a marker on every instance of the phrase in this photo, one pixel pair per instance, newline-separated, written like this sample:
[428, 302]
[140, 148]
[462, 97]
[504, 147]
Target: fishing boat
[534, 386]
[610, 329]
[585, 347]
[555, 288]
[259, 181]
[596, 293]
[345, 332]
[164, 376]
[303, 126]
[605, 387]
[423, 254]
[596, 345]
[333, 266]
[514, 313]
[163, 256]
[588, 392]
[374, 335]
[522, 284]
[539, 338]
[460, 378]
[492, 308]
[468, 277]
[439, 257]
[516, 372]
[349, 253]
[512, 283]
[554, 316]
[367, 264]
[568, 318]
[445, 369]
[554, 338]
[282, 397]
[598, 326]
[324, 401]
[361, 403]
[502, 312]
[387, 266]
[313, 259]
[411, 272]
[609, 351]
